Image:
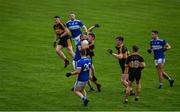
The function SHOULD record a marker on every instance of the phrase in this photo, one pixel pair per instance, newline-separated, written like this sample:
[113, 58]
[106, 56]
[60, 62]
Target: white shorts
[76, 39]
[159, 61]
[74, 64]
[80, 84]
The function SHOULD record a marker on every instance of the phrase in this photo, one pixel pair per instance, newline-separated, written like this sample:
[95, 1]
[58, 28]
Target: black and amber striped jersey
[59, 29]
[135, 61]
[122, 50]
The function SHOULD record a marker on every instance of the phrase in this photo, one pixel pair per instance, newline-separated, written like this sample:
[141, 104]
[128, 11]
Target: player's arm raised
[92, 27]
[85, 29]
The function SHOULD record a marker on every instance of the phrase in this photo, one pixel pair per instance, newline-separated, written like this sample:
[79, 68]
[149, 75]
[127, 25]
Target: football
[85, 42]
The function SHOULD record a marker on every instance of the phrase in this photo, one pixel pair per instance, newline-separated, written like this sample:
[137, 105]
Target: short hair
[72, 12]
[83, 52]
[155, 31]
[135, 48]
[56, 16]
[120, 38]
[92, 34]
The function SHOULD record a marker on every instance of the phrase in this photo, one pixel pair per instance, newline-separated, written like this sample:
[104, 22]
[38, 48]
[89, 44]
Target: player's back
[134, 61]
[85, 65]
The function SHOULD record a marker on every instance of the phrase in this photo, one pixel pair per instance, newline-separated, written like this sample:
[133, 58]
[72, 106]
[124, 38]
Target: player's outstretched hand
[97, 25]
[68, 74]
[149, 51]
[110, 51]
[54, 44]
[164, 49]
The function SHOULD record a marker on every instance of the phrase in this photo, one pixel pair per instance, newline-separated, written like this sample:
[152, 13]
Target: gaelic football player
[90, 54]
[74, 26]
[82, 70]
[159, 46]
[133, 67]
[121, 55]
[62, 40]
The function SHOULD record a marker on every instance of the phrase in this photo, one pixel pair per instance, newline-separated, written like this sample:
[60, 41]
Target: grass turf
[32, 76]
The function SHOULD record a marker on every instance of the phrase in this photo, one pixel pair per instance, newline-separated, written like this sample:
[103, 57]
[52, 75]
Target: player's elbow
[169, 47]
[77, 72]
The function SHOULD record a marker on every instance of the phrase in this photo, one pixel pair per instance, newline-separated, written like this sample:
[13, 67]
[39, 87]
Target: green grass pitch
[32, 76]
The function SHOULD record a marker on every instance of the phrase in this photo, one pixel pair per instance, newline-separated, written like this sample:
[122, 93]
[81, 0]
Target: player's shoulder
[69, 21]
[124, 47]
[83, 60]
[130, 56]
[135, 55]
[140, 56]
[79, 43]
[160, 39]
[152, 40]
[77, 20]
[80, 60]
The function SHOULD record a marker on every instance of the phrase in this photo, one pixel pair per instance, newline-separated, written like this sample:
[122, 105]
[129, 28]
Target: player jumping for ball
[74, 26]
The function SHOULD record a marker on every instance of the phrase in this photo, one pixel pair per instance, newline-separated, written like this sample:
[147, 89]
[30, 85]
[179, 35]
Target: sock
[82, 98]
[161, 84]
[85, 97]
[65, 59]
[167, 77]
[131, 89]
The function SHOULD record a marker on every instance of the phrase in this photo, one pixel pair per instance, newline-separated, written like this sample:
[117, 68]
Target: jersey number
[86, 67]
[135, 64]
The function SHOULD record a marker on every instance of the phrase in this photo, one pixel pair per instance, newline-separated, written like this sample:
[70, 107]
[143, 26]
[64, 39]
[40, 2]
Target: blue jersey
[84, 64]
[77, 53]
[157, 47]
[74, 26]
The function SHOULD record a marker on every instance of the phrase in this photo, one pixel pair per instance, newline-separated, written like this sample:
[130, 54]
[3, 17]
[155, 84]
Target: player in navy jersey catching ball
[75, 25]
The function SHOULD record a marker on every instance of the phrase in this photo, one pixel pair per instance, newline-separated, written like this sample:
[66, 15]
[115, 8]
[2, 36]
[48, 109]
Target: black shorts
[91, 53]
[64, 41]
[134, 75]
[122, 64]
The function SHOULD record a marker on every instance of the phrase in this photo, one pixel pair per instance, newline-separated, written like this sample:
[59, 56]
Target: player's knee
[57, 50]
[75, 90]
